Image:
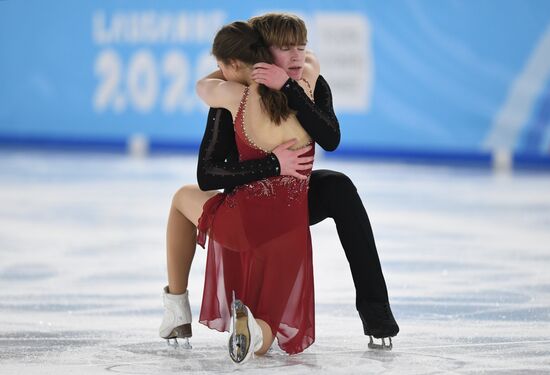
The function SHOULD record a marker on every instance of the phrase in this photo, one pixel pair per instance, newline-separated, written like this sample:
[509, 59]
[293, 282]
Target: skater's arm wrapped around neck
[317, 118]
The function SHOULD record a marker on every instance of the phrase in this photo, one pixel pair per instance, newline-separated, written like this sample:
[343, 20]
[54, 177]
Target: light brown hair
[280, 29]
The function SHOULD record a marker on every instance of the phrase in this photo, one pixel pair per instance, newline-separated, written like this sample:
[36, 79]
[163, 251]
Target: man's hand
[290, 161]
[270, 75]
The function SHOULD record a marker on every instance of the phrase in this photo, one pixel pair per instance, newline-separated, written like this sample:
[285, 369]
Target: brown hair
[239, 41]
[280, 29]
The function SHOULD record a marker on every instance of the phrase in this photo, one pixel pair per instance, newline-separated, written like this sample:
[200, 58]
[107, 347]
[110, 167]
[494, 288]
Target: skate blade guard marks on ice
[176, 322]
[246, 335]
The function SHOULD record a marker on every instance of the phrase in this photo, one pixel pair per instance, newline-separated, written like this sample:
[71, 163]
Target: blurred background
[87, 85]
[432, 81]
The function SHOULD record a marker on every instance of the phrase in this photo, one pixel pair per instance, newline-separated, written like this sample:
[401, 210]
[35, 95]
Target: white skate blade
[182, 332]
[176, 345]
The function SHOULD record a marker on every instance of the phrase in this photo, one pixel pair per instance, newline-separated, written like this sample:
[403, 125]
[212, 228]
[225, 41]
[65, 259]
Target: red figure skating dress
[260, 247]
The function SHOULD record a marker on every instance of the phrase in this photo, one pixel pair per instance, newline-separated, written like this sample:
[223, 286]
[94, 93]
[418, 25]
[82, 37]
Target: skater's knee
[265, 346]
[337, 183]
[267, 337]
[334, 192]
[343, 183]
[183, 195]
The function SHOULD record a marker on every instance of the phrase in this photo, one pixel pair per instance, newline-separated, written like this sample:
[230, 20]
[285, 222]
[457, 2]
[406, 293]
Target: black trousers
[332, 194]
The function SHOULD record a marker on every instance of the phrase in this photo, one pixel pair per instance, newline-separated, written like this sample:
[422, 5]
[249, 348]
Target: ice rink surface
[465, 252]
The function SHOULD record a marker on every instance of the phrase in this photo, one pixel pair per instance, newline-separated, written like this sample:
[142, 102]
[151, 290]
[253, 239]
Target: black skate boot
[378, 322]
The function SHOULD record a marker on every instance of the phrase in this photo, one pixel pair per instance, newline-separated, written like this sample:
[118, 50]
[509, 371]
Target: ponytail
[275, 104]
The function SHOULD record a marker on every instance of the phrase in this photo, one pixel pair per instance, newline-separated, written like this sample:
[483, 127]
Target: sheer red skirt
[259, 246]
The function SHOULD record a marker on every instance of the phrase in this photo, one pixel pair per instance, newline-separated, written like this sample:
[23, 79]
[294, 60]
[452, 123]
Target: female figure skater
[259, 243]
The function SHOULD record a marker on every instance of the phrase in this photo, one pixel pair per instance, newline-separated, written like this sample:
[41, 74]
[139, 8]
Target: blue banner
[463, 77]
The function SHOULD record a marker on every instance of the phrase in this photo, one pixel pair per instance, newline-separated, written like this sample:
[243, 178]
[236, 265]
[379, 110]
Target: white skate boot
[176, 321]
[246, 336]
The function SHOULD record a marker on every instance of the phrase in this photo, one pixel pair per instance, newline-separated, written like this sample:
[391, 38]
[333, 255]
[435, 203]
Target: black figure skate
[378, 322]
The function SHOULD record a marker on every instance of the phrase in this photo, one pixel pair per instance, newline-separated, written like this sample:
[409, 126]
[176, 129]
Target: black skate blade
[382, 346]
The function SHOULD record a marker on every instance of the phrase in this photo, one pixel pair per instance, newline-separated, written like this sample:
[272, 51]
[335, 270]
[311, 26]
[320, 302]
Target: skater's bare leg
[181, 234]
[267, 337]
[180, 248]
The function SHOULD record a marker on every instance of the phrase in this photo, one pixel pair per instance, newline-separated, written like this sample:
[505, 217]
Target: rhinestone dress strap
[241, 113]
[242, 104]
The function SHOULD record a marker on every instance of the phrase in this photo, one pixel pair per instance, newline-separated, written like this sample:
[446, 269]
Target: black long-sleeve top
[218, 164]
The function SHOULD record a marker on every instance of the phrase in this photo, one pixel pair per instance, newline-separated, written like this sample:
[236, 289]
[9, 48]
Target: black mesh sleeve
[218, 163]
[318, 118]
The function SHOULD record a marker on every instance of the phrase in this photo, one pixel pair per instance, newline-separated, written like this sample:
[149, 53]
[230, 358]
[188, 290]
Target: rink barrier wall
[155, 147]
[93, 145]
[453, 158]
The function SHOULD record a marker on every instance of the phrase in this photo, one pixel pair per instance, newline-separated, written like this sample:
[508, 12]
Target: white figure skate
[176, 322]
[246, 335]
